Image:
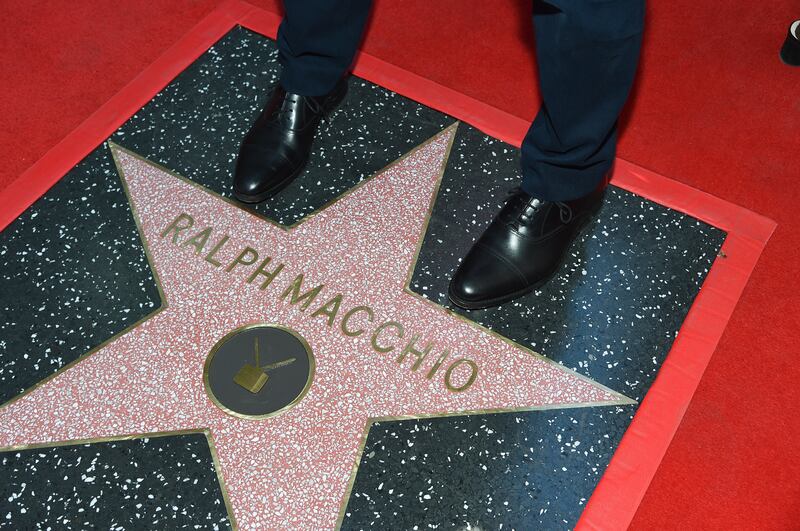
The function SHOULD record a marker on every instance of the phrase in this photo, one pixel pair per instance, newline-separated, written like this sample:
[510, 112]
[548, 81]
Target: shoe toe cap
[483, 277]
[258, 171]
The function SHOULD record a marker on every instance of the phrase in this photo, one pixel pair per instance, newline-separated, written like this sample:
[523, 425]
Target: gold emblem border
[312, 366]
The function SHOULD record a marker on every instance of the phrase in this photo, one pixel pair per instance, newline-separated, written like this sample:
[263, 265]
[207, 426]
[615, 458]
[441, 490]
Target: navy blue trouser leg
[317, 41]
[587, 52]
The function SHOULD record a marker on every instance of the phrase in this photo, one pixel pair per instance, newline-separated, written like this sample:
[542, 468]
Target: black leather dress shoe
[278, 145]
[521, 249]
[790, 51]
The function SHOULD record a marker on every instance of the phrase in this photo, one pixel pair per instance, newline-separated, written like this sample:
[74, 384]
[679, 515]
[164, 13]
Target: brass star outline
[621, 399]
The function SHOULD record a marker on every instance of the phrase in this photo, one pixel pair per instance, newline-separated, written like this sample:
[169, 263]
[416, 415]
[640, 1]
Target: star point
[339, 279]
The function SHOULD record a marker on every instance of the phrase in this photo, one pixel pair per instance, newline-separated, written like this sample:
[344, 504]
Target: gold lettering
[420, 354]
[335, 302]
[241, 259]
[381, 328]
[268, 275]
[439, 361]
[176, 227]
[294, 289]
[449, 372]
[349, 314]
[199, 240]
[213, 252]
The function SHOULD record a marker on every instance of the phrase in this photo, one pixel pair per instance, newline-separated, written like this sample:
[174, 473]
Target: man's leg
[316, 42]
[587, 52]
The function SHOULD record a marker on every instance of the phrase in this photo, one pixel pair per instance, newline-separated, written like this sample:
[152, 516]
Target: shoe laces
[532, 205]
[287, 110]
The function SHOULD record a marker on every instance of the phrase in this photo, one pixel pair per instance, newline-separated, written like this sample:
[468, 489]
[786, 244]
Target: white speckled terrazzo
[115, 485]
[290, 471]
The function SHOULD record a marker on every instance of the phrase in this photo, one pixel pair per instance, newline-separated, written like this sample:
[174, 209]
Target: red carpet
[714, 107]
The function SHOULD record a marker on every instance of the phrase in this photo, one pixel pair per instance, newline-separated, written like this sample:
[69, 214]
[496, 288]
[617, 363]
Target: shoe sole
[497, 301]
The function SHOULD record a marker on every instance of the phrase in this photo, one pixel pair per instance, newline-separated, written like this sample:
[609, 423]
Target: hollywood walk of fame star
[292, 470]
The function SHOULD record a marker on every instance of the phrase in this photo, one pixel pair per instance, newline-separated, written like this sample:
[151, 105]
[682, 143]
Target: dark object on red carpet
[729, 466]
[790, 52]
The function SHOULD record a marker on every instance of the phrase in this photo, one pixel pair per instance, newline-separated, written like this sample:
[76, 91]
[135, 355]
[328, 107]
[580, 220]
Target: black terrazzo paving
[72, 270]
[195, 125]
[73, 273]
[614, 308]
[611, 313]
[157, 483]
[520, 471]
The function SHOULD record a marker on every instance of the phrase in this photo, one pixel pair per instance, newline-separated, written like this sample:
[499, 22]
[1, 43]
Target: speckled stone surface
[72, 274]
[74, 257]
[291, 470]
[611, 313]
[613, 310]
[194, 127]
[519, 471]
[149, 483]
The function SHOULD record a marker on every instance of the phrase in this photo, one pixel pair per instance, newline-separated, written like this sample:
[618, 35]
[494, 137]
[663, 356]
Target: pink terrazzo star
[290, 471]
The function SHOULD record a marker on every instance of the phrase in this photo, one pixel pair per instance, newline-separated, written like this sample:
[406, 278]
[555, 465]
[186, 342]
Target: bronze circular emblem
[258, 371]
